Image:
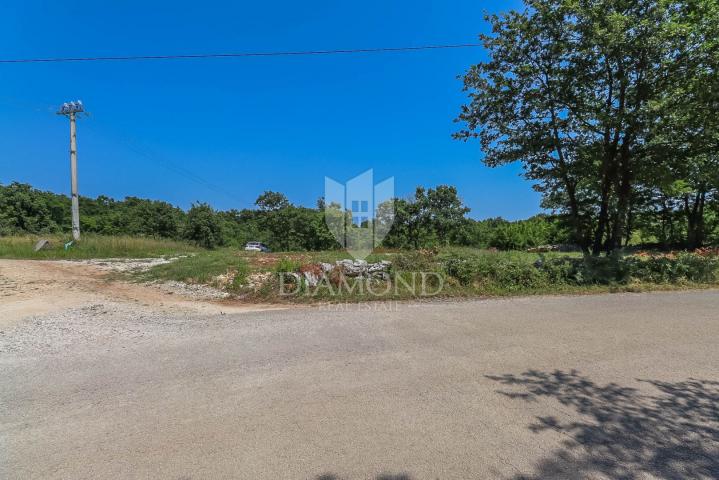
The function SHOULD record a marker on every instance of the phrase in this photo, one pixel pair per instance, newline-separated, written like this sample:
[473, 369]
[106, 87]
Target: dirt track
[38, 287]
[606, 386]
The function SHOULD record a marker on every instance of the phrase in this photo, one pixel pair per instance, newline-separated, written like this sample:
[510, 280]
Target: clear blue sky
[224, 130]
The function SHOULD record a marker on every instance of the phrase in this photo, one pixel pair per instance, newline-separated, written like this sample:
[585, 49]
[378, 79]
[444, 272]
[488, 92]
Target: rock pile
[362, 269]
[312, 274]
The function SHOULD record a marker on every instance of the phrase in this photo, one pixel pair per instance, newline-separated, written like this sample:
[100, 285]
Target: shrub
[603, 270]
[512, 275]
[286, 264]
[507, 273]
[460, 268]
[416, 261]
[676, 268]
[559, 270]
[495, 271]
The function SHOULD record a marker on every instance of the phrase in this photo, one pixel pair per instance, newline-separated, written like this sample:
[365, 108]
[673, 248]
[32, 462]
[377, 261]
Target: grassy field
[454, 272]
[92, 246]
[202, 267]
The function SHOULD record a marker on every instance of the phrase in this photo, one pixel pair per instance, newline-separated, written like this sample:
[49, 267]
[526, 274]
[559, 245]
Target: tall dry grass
[91, 246]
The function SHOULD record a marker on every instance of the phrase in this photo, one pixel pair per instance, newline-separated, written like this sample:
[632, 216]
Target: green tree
[683, 144]
[431, 217]
[24, 209]
[445, 213]
[203, 226]
[566, 92]
[271, 201]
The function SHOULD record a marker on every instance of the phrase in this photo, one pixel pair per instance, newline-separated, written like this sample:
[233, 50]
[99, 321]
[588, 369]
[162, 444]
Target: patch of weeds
[200, 268]
[240, 277]
[287, 264]
[416, 261]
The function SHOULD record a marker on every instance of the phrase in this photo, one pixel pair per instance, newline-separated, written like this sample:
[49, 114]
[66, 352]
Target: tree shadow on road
[622, 433]
[383, 476]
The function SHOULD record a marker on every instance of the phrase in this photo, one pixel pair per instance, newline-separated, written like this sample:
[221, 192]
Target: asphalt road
[607, 386]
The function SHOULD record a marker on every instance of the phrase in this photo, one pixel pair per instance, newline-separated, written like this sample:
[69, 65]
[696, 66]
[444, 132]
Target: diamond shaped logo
[359, 213]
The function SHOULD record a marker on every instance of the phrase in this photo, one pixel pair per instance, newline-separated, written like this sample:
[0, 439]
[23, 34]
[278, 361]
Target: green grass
[333, 256]
[202, 267]
[513, 255]
[466, 272]
[92, 246]
[458, 292]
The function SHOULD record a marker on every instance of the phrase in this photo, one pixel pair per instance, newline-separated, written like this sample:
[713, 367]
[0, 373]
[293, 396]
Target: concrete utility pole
[70, 110]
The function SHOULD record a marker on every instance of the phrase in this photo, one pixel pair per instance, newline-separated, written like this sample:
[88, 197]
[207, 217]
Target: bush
[507, 273]
[460, 268]
[559, 270]
[495, 271]
[513, 275]
[682, 267]
[608, 270]
[203, 226]
[416, 261]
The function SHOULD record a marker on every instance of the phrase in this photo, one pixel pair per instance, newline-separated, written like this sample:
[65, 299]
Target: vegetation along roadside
[309, 277]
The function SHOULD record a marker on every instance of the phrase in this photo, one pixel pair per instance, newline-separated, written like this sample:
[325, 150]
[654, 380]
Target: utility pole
[70, 110]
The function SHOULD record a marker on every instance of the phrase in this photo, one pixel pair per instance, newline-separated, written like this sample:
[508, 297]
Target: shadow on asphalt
[384, 476]
[623, 433]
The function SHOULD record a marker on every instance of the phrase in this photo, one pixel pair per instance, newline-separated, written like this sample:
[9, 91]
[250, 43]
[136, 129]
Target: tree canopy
[607, 105]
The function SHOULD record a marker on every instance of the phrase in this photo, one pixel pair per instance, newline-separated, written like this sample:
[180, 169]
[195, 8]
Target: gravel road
[606, 386]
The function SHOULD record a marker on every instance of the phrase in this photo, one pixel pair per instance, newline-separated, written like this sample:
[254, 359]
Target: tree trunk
[695, 220]
[578, 233]
[603, 219]
[666, 224]
[624, 192]
[629, 230]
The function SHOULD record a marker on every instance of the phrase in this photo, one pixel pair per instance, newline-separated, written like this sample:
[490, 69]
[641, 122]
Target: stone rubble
[312, 274]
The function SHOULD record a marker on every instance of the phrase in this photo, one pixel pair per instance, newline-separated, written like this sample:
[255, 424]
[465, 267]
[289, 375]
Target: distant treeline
[432, 217]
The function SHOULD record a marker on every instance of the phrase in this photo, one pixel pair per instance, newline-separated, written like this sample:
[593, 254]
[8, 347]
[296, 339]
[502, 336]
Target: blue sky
[222, 131]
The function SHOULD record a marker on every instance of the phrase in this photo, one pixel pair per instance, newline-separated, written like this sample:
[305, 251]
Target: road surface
[605, 386]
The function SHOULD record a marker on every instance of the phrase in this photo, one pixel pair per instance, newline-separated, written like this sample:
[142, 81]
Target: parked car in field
[256, 247]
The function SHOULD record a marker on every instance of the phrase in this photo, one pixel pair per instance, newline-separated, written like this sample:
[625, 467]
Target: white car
[256, 247]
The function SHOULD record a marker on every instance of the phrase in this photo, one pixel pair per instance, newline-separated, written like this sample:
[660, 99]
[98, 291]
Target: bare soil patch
[35, 287]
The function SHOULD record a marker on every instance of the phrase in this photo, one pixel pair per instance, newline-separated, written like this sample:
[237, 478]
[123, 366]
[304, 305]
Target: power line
[167, 164]
[239, 54]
